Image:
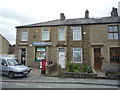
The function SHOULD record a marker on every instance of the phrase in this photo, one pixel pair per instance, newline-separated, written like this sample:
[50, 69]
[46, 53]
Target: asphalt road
[36, 80]
[50, 85]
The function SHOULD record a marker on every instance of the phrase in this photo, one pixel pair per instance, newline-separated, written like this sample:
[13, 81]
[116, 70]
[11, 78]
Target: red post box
[43, 66]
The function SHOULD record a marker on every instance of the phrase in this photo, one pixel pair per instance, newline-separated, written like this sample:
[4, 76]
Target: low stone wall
[77, 75]
[51, 68]
[114, 76]
[112, 67]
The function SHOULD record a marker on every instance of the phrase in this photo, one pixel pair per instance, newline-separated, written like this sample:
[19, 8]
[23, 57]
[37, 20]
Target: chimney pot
[114, 12]
[86, 14]
[62, 16]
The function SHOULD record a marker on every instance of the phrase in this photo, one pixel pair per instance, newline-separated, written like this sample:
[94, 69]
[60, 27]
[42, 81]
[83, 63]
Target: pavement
[35, 76]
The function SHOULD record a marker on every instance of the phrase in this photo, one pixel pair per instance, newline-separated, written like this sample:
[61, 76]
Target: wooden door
[97, 59]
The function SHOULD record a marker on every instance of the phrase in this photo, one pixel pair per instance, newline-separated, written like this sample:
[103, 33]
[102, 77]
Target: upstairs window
[77, 33]
[45, 34]
[62, 34]
[113, 32]
[115, 55]
[24, 36]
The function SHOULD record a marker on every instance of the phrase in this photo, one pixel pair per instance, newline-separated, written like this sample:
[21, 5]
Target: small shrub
[112, 72]
[72, 67]
[85, 68]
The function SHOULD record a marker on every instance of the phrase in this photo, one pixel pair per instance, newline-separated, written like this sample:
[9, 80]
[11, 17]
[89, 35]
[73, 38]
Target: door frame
[58, 55]
[20, 51]
[94, 58]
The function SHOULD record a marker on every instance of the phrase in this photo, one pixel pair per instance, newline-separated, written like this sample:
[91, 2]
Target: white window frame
[112, 32]
[81, 53]
[78, 31]
[63, 38]
[48, 37]
[24, 32]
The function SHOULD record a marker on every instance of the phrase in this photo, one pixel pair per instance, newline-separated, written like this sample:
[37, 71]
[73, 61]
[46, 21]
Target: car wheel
[11, 75]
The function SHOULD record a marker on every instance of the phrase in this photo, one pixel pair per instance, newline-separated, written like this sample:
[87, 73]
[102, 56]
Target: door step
[100, 73]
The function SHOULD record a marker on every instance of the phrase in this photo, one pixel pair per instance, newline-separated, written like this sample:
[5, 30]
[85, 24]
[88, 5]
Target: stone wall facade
[99, 39]
[52, 51]
[4, 45]
[93, 36]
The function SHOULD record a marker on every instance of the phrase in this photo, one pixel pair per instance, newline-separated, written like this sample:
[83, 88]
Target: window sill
[113, 39]
[114, 63]
[62, 41]
[46, 40]
[23, 41]
[77, 62]
[76, 40]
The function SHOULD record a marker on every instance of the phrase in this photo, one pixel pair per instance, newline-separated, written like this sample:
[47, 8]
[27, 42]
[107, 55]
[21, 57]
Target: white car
[10, 67]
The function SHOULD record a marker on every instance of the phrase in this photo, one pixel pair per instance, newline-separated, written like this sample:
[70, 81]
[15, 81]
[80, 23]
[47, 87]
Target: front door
[97, 59]
[62, 57]
[23, 55]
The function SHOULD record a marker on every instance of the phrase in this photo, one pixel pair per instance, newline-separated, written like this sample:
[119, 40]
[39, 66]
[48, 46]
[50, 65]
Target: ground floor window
[40, 53]
[77, 55]
[115, 55]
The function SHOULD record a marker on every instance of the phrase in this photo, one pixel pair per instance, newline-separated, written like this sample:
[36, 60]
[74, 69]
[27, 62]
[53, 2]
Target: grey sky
[19, 12]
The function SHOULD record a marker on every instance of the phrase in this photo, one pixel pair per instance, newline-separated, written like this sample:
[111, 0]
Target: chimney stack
[86, 14]
[114, 12]
[119, 8]
[62, 16]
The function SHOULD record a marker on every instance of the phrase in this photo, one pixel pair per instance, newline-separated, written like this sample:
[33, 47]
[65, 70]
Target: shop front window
[40, 53]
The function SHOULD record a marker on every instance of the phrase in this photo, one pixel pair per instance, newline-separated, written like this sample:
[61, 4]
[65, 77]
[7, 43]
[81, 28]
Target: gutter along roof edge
[63, 25]
[78, 21]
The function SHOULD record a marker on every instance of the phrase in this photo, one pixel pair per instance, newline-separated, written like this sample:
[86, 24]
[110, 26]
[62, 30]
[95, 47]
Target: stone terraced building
[92, 41]
[4, 45]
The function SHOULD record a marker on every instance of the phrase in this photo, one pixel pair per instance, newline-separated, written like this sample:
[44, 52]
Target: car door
[4, 67]
[0, 66]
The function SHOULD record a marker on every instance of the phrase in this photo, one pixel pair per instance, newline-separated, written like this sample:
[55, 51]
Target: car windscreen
[12, 62]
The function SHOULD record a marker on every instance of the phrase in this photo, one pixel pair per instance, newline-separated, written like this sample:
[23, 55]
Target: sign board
[41, 49]
[41, 43]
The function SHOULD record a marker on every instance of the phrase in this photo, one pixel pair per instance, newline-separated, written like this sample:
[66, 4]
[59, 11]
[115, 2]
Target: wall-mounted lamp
[36, 31]
[30, 45]
[84, 33]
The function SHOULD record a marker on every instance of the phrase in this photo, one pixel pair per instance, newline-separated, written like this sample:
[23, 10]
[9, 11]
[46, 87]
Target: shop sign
[42, 43]
[40, 49]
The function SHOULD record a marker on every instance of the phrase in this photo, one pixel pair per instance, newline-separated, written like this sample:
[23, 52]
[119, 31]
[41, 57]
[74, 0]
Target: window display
[40, 53]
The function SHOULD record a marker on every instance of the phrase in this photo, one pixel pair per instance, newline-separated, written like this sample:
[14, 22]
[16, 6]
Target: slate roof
[77, 21]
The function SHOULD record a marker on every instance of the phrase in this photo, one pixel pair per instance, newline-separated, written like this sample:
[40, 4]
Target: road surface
[50, 85]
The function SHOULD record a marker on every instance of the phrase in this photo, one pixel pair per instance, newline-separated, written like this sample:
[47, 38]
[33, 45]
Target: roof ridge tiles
[75, 21]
